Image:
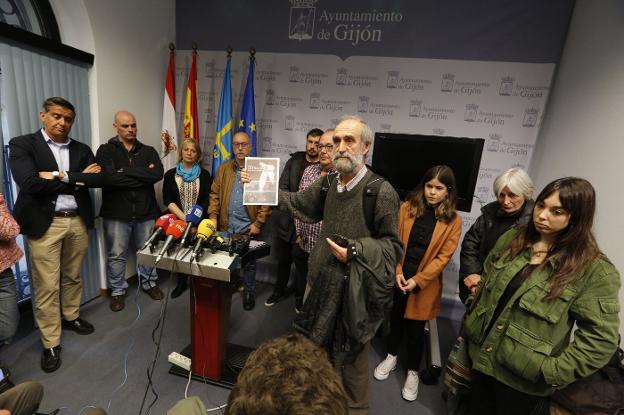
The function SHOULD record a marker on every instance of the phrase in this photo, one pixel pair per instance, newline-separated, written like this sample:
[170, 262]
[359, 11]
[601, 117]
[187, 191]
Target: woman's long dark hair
[445, 210]
[575, 246]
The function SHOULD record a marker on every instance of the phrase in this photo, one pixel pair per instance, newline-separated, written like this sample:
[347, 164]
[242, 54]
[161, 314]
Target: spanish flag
[191, 125]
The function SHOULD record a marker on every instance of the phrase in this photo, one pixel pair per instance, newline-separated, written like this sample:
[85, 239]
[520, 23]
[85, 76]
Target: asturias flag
[169, 132]
[191, 125]
[247, 121]
[222, 151]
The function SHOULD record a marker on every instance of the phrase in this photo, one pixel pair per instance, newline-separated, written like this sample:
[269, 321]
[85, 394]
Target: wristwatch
[56, 175]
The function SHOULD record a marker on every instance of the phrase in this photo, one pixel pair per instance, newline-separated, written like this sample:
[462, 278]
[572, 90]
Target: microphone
[204, 231]
[174, 232]
[193, 217]
[161, 225]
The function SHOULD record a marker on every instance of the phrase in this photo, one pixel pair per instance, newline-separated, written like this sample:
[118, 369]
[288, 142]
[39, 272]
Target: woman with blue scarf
[186, 185]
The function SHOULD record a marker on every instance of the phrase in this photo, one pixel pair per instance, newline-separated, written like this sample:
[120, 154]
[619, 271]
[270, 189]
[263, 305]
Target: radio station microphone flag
[222, 150]
[193, 217]
[247, 122]
[204, 231]
[191, 125]
[161, 225]
[173, 232]
[169, 131]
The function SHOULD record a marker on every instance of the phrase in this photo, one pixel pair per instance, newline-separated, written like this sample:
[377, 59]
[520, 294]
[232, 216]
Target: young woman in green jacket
[539, 282]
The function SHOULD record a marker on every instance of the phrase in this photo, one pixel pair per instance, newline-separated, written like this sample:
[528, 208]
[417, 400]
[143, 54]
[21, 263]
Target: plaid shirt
[309, 232]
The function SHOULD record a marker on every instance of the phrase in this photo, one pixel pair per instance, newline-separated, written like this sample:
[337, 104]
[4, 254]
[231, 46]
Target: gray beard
[347, 164]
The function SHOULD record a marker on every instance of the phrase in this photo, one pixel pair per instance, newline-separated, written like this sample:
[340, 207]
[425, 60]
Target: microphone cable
[157, 340]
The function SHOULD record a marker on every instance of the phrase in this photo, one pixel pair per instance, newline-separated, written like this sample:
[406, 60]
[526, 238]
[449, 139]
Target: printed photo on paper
[264, 174]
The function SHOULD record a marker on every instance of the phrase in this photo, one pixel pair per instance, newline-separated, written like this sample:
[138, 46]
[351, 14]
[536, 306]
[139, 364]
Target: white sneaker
[382, 371]
[410, 388]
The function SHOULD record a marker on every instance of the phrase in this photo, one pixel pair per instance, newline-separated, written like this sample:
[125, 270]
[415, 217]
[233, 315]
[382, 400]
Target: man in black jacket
[53, 209]
[129, 204]
[287, 237]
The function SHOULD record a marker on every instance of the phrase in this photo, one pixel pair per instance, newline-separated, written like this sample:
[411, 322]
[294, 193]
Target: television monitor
[403, 159]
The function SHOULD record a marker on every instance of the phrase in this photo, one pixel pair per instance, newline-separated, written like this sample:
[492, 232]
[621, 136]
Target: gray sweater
[343, 213]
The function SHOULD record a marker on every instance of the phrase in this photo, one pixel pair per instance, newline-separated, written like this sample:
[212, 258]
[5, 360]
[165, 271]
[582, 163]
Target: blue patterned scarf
[188, 175]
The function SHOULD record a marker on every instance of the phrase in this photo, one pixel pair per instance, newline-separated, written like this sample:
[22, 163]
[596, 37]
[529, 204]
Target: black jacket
[171, 193]
[129, 191]
[474, 248]
[34, 209]
[289, 182]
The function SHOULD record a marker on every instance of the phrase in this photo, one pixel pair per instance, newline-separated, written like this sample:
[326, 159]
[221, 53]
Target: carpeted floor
[109, 367]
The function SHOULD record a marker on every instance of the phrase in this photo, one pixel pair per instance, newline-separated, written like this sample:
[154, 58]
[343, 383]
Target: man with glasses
[227, 209]
[287, 239]
[307, 233]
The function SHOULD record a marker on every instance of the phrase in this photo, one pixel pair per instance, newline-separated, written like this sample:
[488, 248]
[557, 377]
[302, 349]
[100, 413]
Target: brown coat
[220, 199]
[425, 304]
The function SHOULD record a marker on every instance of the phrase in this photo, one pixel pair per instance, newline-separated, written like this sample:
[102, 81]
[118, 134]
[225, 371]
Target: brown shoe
[155, 293]
[117, 303]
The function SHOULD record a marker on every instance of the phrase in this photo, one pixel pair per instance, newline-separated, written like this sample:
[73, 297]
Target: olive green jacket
[529, 346]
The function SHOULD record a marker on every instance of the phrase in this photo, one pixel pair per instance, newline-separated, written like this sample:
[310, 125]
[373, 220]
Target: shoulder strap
[370, 197]
[370, 200]
[325, 186]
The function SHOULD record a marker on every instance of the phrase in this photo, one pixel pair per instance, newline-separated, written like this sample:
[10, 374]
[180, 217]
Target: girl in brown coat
[430, 229]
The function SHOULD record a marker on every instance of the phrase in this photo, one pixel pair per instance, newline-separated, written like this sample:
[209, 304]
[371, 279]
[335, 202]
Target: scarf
[190, 174]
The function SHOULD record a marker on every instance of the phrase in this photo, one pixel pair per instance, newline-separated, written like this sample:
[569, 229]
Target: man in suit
[54, 211]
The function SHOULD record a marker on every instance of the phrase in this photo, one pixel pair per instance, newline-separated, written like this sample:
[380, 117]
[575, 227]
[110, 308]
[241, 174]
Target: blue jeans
[9, 315]
[118, 235]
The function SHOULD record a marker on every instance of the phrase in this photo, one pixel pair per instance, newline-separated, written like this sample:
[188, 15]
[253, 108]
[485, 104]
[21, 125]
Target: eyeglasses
[241, 145]
[327, 147]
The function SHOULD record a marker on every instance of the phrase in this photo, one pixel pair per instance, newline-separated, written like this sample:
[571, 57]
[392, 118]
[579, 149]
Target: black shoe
[79, 325]
[274, 298]
[51, 359]
[248, 301]
[179, 288]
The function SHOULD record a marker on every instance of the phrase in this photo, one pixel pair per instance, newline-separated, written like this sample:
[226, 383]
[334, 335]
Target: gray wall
[583, 129]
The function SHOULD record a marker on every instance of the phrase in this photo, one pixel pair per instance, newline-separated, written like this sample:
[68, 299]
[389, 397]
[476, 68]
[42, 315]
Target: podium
[213, 360]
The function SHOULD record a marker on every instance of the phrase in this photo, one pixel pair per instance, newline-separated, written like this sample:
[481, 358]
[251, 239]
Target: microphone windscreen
[206, 228]
[176, 229]
[194, 214]
[164, 221]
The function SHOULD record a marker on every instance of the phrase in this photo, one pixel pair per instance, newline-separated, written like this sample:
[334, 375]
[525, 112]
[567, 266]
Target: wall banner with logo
[447, 68]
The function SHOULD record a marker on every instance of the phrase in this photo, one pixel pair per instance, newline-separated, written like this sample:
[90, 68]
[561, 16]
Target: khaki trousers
[23, 398]
[55, 260]
[355, 382]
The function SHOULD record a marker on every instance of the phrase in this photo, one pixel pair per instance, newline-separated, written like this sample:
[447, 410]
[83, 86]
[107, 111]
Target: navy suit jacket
[34, 209]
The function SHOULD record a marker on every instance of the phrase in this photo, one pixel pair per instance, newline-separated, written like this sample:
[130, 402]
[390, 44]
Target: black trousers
[284, 262]
[414, 331]
[491, 397]
[300, 257]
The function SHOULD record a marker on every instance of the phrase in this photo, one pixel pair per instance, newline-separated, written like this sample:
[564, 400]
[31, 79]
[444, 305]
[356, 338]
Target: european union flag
[247, 121]
[222, 150]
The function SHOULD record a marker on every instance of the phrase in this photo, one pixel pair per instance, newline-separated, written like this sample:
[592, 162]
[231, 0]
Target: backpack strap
[325, 186]
[371, 191]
